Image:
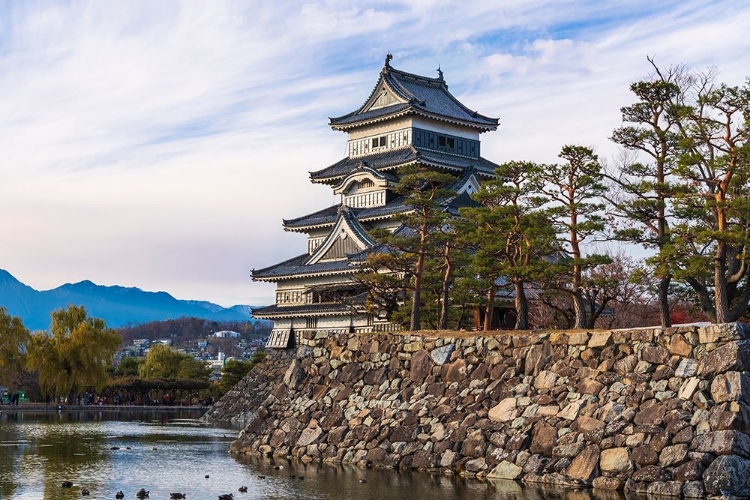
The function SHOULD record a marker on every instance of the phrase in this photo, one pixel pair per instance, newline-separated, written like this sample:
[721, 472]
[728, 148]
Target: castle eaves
[395, 158]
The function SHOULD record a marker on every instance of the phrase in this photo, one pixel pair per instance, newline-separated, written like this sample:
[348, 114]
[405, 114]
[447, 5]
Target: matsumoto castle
[407, 120]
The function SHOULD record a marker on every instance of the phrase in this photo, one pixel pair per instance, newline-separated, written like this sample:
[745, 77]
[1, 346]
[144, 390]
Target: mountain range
[116, 305]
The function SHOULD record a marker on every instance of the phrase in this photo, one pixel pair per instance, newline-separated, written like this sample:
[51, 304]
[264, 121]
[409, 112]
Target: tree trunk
[579, 306]
[721, 295]
[522, 307]
[447, 277]
[721, 298]
[741, 306]
[704, 299]
[417, 295]
[663, 296]
[490, 309]
[461, 316]
[661, 227]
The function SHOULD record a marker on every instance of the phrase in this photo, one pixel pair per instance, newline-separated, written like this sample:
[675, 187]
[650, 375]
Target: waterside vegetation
[74, 362]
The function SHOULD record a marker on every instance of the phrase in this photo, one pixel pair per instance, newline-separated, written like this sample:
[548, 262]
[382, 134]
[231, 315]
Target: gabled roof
[395, 158]
[467, 182]
[346, 227]
[398, 93]
[317, 264]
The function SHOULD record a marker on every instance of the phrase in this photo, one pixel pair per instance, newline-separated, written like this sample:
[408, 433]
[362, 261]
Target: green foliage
[510, 234]
[643, 190]
[399, 269]
[711, 249]
[128, 367]
[76, 355]
[193, 369]
[14, 341]
[573, 191]
[163, 362]
[234, 370]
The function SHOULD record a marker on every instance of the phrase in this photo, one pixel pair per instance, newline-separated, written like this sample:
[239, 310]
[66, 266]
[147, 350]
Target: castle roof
[296, 267]
[328, 216]
[326, 309]
[409, 94]
[395, 158]
[347, 238]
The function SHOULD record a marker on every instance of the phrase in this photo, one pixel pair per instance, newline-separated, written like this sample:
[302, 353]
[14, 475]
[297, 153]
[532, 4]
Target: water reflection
[164, 455]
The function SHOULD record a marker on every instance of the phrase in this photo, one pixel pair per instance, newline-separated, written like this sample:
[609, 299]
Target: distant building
[227, 334]
[407, 120]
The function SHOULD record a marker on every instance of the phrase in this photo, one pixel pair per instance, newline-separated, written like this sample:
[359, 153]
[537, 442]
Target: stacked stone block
[661, 411]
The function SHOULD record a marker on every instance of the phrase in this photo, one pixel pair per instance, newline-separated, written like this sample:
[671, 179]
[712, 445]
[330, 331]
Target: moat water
[171, 453]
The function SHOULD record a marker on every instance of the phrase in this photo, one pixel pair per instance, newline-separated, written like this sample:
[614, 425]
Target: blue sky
[159, 144]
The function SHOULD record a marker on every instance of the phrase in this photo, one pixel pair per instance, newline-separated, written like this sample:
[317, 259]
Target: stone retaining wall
[645, 410]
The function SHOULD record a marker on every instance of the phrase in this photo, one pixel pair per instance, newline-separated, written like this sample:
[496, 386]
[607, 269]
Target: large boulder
[294, 374]
[734, 356]
[657, 355]
[723, 443]
[309, 436]
[505, 470]
[615, 460]
[731, 386]
[421, 366]
[505, 411]
[585, 466]
[537, 358]
[455, 372]
[728, 475]
[545, 437]
[442, 355]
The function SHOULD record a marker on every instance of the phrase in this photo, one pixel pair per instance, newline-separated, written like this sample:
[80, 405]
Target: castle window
[379, 142]
[446, 142]
[366, 183]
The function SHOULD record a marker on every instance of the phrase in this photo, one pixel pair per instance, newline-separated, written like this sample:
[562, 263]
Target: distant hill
[116, 305]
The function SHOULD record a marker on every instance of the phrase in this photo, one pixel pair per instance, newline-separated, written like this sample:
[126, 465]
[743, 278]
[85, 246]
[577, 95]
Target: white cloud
[159, 144]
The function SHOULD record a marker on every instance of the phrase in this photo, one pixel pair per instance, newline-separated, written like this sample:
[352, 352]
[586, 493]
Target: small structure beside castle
[407, 120]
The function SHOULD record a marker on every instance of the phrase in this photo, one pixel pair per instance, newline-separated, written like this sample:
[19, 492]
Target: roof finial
[388, 58]
[440, 73]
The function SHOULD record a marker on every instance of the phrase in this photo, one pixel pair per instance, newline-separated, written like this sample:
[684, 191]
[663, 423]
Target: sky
[160, 144]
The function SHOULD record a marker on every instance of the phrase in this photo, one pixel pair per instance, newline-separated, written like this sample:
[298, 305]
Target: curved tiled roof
[395, 158]
[296, 267]
[324, 217]
[328, 216]
[277, 311]
[377, 161]
[424, 96]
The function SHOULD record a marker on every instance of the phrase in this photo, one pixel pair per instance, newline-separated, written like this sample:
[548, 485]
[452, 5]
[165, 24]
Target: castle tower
[407, 120]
